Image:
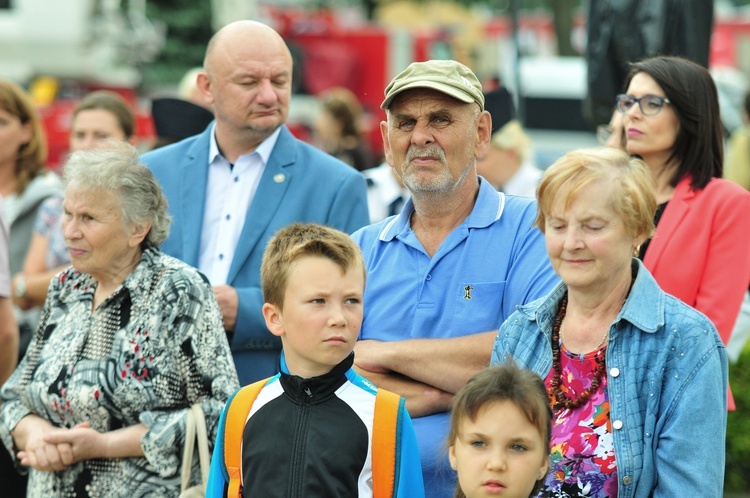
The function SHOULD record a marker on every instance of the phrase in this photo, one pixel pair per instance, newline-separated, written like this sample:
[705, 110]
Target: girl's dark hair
[506, 382]
[699, 147]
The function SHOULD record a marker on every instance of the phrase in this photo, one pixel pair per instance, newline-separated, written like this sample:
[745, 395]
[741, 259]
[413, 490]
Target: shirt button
[221, 256]
[229, 216]
[617, 424]
[236, 179]
[626, 480]
[614, 371]
[428, 277]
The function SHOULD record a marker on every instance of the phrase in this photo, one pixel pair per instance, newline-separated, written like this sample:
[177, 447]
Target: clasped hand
[55, 449]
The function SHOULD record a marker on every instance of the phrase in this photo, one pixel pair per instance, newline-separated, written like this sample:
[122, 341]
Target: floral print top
[582, 461]
[144, 355]
[48, 225]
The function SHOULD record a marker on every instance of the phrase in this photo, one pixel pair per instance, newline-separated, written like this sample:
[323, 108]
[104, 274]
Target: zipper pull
[308, 392]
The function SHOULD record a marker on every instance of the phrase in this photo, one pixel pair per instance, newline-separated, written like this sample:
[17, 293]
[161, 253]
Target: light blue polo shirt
[492, 262]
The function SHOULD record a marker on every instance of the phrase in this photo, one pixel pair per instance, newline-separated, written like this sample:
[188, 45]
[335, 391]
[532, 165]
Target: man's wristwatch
[19, 289]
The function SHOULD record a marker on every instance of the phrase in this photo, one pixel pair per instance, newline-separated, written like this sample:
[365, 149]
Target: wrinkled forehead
[418, 101]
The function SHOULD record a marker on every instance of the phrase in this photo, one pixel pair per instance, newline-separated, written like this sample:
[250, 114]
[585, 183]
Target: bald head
[246, 34]
[247, 78]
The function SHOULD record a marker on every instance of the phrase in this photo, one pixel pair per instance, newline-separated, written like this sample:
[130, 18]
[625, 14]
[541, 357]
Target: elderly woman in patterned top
[129, 339]
[637, 379]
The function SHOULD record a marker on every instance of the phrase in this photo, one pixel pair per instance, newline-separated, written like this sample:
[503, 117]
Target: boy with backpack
[316, 429]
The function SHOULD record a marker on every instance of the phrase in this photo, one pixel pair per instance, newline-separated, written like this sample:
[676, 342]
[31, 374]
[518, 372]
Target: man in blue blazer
[245, 177]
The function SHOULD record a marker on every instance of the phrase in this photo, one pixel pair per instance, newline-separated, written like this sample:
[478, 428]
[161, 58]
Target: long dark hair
[699, 147]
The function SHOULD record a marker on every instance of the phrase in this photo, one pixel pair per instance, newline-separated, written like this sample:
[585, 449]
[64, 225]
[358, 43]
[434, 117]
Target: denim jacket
[666, 381]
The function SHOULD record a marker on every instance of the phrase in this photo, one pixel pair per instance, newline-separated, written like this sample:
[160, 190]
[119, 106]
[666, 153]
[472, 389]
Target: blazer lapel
[273, 185]
[675, 212]
[193, 180]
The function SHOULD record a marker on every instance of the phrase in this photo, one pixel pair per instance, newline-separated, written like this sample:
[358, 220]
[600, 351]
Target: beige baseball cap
[446, 76]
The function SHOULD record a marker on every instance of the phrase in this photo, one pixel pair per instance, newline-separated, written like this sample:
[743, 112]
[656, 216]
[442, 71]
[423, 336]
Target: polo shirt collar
[488, 208]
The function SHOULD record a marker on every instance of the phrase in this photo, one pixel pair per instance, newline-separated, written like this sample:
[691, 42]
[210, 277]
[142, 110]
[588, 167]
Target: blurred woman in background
[700, 250]
[24, 180]
[508, 164]
[24, 184]
[100, 117]
[338, 129]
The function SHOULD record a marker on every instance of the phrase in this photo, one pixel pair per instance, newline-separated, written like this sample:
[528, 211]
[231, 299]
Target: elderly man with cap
[452, 266]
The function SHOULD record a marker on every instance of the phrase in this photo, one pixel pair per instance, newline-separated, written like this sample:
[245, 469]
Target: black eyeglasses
[650, 104]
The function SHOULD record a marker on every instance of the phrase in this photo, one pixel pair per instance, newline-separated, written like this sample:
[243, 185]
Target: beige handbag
[195, 428]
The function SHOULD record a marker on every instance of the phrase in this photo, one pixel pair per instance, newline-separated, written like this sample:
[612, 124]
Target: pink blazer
[701, 250]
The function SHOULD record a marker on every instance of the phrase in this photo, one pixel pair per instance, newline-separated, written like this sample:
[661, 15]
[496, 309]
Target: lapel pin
[279, 178]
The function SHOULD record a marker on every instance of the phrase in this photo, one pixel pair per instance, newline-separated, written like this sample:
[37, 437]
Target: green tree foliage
[737, 478]
[188, 31]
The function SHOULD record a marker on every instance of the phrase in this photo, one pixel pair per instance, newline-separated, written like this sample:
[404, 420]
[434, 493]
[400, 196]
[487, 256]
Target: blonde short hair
[296, 241]
[512, 137]
[633, 197]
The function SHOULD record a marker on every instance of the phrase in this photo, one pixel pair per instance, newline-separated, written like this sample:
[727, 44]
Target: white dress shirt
[382, 191]
[524, 182]
[229, 192]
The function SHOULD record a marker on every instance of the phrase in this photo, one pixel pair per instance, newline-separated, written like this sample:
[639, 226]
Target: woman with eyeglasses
[700, 252]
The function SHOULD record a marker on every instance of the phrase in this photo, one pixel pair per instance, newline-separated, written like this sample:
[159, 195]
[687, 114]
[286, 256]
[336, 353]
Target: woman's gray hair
[116, 168]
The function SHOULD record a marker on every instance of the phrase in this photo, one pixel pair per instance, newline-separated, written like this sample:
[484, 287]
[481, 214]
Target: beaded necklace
[559, 399]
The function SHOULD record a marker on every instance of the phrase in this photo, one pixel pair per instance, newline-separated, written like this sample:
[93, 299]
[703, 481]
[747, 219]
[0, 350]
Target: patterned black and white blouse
[148, 351]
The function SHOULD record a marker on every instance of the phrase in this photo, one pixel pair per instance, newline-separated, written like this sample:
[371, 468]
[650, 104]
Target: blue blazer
[299, 184]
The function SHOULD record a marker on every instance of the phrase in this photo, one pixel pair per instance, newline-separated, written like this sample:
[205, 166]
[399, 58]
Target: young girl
[500, 434]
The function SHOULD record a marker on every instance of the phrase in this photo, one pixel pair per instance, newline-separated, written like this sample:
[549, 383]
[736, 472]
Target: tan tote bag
[195, 429]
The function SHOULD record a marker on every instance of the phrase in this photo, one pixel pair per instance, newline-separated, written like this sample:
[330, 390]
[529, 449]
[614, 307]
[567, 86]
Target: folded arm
[426, 372]
[421, 399]
[445, 364]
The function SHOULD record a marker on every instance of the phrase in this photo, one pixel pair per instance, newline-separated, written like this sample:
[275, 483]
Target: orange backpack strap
[234, 428]
[386, 434]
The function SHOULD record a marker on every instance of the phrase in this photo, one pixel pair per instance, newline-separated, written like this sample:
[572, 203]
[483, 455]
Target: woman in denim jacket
[636, 378]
